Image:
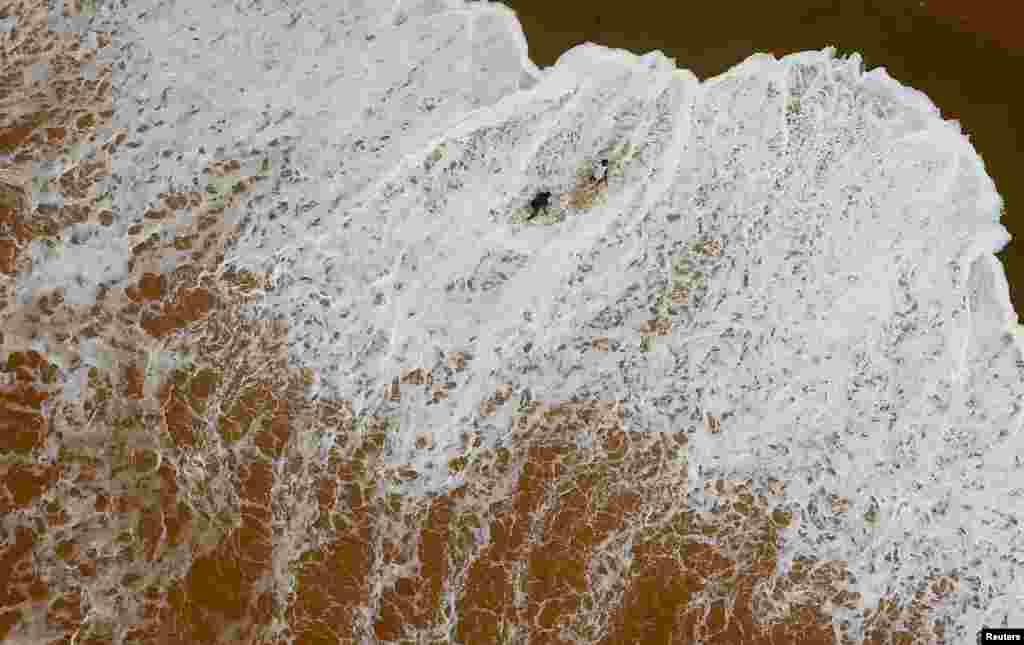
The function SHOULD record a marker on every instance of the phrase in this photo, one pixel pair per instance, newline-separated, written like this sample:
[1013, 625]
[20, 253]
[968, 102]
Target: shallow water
[963, 55]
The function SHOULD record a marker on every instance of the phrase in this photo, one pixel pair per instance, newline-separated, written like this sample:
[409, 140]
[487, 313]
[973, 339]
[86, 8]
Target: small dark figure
[539, 203]
[600, 174]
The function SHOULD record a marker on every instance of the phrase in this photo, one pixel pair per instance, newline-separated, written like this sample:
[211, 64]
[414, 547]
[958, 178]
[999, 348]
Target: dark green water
[964, 55]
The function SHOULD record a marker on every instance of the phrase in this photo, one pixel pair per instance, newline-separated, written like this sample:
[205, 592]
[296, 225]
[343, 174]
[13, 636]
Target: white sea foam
[855, 336]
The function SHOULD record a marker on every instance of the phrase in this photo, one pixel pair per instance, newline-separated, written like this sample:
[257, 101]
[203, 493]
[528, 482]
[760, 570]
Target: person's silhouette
[539, 202]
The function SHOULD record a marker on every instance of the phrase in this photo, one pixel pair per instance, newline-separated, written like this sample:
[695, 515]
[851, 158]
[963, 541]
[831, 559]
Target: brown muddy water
[967, 56]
